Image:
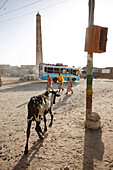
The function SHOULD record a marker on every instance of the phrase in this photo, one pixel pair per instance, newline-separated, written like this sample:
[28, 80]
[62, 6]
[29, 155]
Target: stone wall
[7, 70]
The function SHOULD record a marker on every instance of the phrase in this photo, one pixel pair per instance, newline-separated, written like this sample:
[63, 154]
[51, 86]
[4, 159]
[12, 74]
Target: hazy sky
[64, 24]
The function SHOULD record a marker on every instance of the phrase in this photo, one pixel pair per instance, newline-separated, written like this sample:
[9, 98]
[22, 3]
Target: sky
[63, 24]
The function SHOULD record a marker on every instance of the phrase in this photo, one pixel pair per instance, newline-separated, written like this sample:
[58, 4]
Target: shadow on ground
[24, 87]
[25, 160]
[93, 148]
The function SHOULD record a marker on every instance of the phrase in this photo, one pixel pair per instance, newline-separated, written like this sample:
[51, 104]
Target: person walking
[69, 88]
[1, 81]
[49, 83]
[60, 82]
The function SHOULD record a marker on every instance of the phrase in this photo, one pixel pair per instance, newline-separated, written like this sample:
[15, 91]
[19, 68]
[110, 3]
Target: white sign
[105, 70]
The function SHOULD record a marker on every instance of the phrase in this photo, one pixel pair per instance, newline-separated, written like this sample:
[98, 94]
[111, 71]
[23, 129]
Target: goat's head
[54, 95]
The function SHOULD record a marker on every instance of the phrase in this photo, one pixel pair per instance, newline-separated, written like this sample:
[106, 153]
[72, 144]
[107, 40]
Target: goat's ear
[46, 93]
[58, 95]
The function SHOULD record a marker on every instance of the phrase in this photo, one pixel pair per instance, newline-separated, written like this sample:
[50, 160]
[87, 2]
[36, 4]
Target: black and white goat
[38, 107]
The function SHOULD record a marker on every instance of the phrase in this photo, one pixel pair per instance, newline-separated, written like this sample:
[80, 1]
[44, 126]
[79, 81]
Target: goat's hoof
[45, 130]
[50, 125]
[26, 152]
[41, 138]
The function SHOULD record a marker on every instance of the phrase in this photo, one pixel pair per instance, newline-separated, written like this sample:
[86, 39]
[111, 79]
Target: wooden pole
[89, 89]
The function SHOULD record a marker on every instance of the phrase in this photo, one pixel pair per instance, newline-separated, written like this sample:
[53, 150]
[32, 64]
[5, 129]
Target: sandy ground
[67, 142]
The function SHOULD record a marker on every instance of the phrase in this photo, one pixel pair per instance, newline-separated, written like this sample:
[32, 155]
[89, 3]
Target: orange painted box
[96, 38]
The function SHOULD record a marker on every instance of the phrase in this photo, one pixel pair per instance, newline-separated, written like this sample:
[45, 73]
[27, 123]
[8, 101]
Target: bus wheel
[55, 80]
[73, 79]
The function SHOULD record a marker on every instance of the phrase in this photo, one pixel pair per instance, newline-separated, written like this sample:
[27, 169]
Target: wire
[17, 17]
[34, 11]
[54, 5]
[3, 4]
[20, 8]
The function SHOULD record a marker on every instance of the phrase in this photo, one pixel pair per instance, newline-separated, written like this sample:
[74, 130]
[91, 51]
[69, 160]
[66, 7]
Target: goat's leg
[45, 126]
[39, 130]
[28, 135]
[50, 111]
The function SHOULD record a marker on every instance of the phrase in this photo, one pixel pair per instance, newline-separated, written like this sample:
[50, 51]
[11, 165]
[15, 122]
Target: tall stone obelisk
[39, 55]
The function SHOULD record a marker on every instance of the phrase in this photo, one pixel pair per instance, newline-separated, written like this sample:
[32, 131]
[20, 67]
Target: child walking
[69, 88]
[49, 83]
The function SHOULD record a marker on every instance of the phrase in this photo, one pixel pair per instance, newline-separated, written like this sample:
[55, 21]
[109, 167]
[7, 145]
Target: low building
[103, 72]
[106, 72]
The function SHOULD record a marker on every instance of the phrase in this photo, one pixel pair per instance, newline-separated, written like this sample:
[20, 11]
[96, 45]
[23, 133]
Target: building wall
[104, 73]
[7, 70]
[4, 70]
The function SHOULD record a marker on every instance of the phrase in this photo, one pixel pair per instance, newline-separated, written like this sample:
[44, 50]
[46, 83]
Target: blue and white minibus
[53, 70]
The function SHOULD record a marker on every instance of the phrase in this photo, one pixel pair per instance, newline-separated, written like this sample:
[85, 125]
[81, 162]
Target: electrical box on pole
[96, 38]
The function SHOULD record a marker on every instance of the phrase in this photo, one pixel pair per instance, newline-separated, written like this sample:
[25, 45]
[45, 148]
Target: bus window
[74, 72]
[64, 71]
[61, 70]
[50, 69]
[45, 69]
[56, 70]
[69, 71]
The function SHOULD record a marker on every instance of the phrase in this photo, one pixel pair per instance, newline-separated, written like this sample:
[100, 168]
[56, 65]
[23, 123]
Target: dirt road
[67, 142]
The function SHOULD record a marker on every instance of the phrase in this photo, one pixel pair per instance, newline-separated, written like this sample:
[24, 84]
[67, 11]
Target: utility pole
[89, 90]
[96, 38]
